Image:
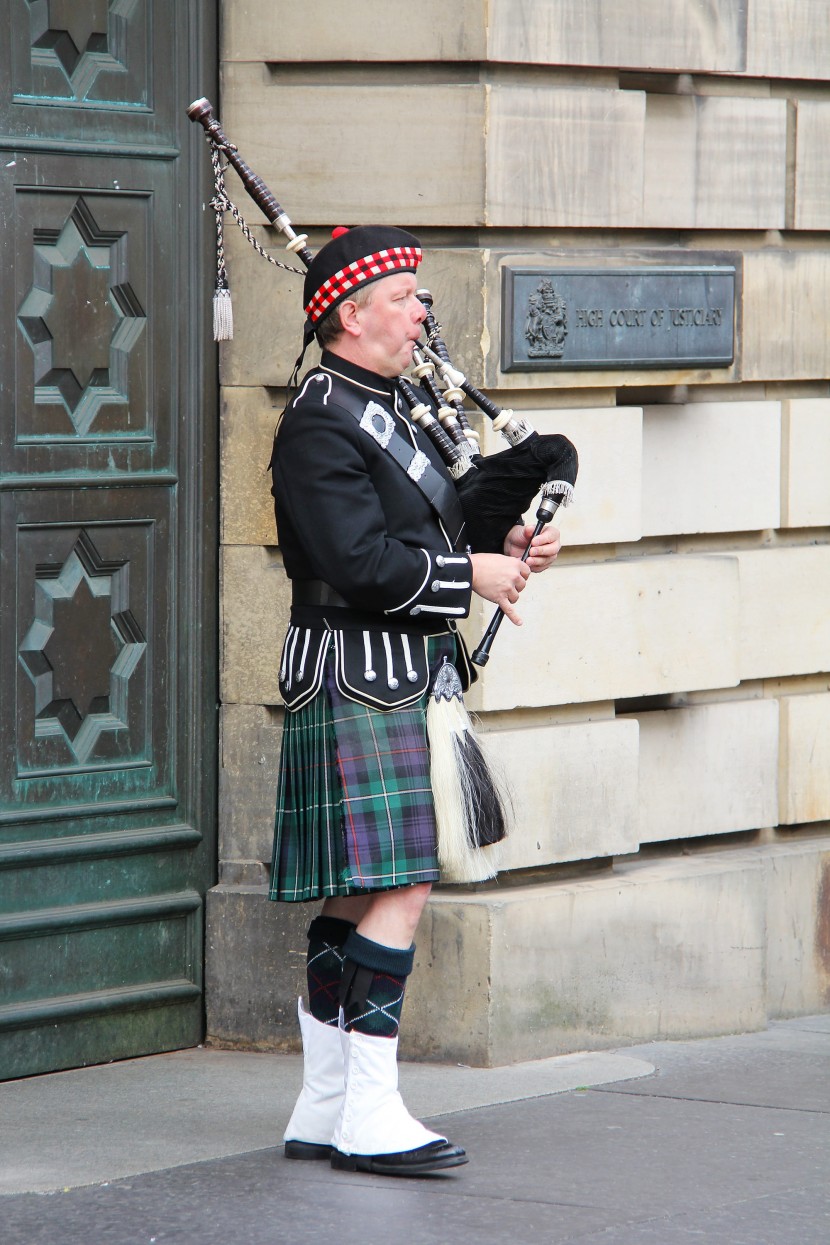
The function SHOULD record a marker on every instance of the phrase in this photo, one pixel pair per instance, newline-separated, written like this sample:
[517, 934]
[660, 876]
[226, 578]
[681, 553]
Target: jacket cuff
[445, 591]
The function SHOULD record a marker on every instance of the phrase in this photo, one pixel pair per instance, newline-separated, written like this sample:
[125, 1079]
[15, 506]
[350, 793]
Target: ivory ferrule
[452, 394]
[421, 413]
[513, 428]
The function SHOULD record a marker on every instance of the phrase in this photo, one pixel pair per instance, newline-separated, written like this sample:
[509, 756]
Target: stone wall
[665, 710]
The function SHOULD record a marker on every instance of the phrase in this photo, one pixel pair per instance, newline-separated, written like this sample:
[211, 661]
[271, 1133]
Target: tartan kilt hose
[355, 810]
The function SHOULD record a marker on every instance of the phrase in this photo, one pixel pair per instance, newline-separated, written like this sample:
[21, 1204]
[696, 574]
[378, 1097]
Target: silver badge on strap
[446, 683]
[418, 466]
[378, 423]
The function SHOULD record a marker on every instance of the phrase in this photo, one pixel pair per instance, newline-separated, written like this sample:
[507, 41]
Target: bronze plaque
[610, 318]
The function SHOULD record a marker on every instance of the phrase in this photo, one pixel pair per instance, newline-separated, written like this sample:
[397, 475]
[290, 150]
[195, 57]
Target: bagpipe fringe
[469, 808]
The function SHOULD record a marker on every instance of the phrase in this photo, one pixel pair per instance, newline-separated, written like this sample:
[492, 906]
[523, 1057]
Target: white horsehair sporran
[469, 806]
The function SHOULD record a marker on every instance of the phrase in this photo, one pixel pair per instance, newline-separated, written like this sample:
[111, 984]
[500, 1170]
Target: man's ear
[348, 318]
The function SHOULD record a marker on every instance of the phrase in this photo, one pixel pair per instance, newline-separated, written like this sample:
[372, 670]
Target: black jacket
[349, 515]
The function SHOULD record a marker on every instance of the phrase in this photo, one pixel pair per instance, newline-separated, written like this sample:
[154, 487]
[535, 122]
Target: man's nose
[420, 311]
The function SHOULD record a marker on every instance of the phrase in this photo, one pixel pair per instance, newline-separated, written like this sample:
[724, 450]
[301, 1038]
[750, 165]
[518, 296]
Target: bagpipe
[494, 490]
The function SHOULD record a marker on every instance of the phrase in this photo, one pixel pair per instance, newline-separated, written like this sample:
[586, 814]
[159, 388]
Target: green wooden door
[107, 531]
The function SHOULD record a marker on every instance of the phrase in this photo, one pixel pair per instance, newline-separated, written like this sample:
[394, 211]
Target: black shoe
[306, 1150]
[433, 1157]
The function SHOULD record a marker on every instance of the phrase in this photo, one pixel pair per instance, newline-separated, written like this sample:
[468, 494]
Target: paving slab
[797, 1217]
[642, 1156]
[813, 1024]
[252, 1198]
[787, 1065]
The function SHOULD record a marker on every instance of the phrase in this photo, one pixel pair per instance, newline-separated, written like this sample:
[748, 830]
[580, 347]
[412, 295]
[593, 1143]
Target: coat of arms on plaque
[546, 324]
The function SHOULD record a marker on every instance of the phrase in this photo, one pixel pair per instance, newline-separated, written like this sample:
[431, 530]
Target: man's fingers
[500, 579]
[509, 612]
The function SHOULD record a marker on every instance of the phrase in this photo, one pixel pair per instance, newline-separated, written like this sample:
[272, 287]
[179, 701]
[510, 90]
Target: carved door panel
[107, 532]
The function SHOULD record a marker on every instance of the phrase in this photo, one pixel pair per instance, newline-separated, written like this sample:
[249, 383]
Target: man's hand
[545, 548]
[500, 579]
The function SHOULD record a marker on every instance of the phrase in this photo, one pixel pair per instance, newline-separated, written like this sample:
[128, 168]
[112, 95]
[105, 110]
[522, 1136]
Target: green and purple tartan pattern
[307, 857]
[354, 803]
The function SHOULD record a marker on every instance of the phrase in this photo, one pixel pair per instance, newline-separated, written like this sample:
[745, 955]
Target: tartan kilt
[355, 811]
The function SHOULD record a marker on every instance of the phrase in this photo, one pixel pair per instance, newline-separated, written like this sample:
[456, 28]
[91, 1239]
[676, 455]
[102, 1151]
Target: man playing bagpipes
[374, 542]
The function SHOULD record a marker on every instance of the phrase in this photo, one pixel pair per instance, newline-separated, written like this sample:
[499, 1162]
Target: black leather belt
[315, 604]
[315, 592]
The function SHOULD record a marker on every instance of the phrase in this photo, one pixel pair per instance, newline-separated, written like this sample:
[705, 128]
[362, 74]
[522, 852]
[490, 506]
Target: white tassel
[561, 490]
[467, 801]
[222, 315]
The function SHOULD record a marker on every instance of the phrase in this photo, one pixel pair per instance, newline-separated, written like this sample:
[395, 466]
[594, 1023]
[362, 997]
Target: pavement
[724, 1141]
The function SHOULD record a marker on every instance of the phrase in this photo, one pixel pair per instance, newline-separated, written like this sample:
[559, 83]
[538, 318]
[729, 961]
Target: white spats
[373, 1119]
[321, 1097]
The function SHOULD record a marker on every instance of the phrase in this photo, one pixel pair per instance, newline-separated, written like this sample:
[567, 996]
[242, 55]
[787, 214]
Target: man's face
[390, 324]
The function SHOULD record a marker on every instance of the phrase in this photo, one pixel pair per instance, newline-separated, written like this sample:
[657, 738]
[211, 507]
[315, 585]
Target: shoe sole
[375, 1165]
[306, 1150]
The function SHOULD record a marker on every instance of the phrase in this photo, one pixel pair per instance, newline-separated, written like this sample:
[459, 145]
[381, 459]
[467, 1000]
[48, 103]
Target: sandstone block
[788, 39]
[389, 30]
[708, 769]
[621, 379]
[456, 978]
[573, 790]
[805, 498]
[786, 310]
[646, 35]
[812, 164]
[564, 157]
[715, 163]
[507, 974]
[805, 759]
[785, 611]
[341, 167]
[267, 317]
[467, 286]
[711, 467]
[247, 430]
[255, 955]
[268, 314]
[456, 278]
[512, 974]
[797, 880]
[249, 761]
[636, 627]
[649, 35]
[606, 506]
[255, 602]
[665, 950]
